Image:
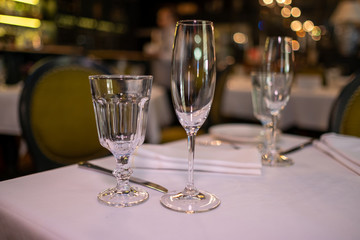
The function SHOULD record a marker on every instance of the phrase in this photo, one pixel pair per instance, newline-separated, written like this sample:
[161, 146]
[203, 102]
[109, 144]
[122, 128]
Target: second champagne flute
[261, 112]
[276, 85]
[192, 87]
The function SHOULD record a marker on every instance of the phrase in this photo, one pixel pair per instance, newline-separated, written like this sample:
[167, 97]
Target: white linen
[246, 160]
[343, 148]
[237, 132]
[313, 199]
[9, 101]
[305, 109]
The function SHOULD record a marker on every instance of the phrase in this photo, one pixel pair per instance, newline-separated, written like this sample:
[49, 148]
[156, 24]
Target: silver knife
[140, 181]
[296, 148]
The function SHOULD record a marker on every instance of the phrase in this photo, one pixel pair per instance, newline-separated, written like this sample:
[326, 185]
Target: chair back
[56, 113]
[345, 114]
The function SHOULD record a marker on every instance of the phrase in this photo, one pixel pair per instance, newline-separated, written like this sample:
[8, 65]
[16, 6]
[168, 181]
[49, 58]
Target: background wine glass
[192, 86]
[276, 85]
[121, 108]
[261, 112]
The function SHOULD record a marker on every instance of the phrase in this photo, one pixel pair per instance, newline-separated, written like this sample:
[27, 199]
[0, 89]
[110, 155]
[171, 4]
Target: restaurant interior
[135, 37]
[179, 119]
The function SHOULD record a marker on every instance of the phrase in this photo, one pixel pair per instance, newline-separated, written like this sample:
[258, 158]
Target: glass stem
[122, 173]
[191, 152]
[272, 145]
[268, 126]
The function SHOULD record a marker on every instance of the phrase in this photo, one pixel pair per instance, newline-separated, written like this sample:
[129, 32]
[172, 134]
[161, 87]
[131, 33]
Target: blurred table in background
[308, 108]
[9, 101]
[160, 113]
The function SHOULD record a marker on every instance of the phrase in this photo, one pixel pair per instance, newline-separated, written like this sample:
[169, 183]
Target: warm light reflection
[268, 2]
[295, 12]
[31, 2]
[301, 33]
[285, 12]
[316, 31]
[88, 23]
[240, 38]
[105, 26]
[20, 21]
[308, 26]
[66, 20]
[261, 2]
[316, 38]
[280, 1]
[296, 25]
[287, 2]
[295, 45]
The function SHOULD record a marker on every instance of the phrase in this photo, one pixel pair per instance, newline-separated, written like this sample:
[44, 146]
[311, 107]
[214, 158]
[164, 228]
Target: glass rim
[285, 37]
[195, 22]
[119, 76]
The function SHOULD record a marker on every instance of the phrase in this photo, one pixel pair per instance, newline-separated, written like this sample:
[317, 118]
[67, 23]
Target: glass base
[278, 161]
[116, 198]
[200, 201]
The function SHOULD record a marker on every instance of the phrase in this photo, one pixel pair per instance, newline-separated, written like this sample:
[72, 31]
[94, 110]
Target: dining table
[316, 198]
[9, 105]
[309, 106]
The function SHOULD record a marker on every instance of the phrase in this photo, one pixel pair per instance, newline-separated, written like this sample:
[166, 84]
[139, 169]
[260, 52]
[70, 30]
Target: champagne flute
[192, 87]
[121, 108]
[261, 112]
[276, 85]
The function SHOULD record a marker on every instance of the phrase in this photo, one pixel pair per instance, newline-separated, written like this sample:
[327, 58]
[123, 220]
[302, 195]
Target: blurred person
[160, 47]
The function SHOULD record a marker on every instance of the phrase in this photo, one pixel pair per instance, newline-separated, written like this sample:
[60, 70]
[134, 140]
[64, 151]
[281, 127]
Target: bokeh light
[301, 33]
[295, 45]
[295, 12]
[268, 2]
[308, 26]
[316, 31]
[285, 12]
[240, 38]
[296, 25]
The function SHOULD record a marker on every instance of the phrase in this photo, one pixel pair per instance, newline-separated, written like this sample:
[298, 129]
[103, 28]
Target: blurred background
[326, 32]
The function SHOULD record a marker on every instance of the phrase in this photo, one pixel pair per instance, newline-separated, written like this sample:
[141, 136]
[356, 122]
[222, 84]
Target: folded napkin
[343, 148]
[208, 159]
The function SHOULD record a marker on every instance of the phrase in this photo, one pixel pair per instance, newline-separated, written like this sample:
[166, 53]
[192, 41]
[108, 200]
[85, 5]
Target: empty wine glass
[261, 112]
[192, 87]
[121, 109]
[276, 85]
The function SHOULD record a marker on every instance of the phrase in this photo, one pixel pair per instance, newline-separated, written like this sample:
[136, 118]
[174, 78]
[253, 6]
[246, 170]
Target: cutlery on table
[139, 181]
[298, 147]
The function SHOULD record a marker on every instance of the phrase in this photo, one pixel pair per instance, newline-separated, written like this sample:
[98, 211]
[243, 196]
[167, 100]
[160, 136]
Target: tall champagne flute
[276, 85]
[261, 112]
[121, 108]
[192, 87]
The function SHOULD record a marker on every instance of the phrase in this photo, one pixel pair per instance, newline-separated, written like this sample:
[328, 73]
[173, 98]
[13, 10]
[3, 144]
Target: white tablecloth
[307, 108]
[9, 101]
[317, 198]
[160, 114]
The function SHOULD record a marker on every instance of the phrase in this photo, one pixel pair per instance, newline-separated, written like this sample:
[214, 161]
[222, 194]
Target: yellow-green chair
[56, 113]
[345, 114]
